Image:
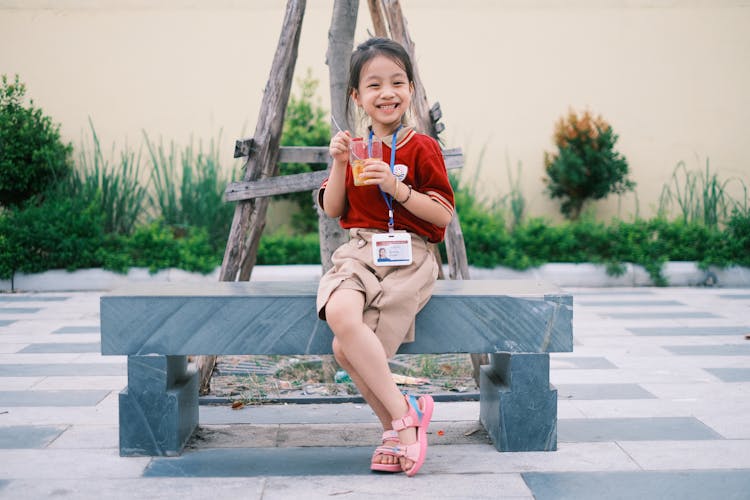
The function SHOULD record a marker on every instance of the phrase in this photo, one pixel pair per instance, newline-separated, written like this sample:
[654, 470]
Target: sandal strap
[394, 451]
[408, 451]
[390, 435]
[412, 418]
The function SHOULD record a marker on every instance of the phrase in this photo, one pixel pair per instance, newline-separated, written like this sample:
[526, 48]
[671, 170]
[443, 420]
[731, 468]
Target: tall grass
[700, 197]
[113, 185]
[188, 189]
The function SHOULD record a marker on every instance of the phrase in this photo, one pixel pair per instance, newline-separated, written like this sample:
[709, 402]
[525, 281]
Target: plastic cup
[360, 149]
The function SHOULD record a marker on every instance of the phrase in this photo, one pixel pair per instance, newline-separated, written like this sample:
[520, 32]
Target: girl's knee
[338, 353]
[342, 314]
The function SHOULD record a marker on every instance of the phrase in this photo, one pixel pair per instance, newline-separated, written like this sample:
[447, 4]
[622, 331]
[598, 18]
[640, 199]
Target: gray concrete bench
[158, 326]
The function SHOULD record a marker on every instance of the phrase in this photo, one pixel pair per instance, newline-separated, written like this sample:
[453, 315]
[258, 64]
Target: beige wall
[672, 77]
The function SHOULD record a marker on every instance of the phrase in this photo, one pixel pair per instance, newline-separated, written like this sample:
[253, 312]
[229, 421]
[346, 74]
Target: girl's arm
[334, 195]
[420, 204]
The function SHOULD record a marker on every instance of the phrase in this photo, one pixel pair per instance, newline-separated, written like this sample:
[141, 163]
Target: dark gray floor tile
[19, 310]
[624, 293]
[640, 485]
[661, 315]
[28, 436]
[709, 350]
[3, 483]
[61, 347]
[628, 303]
[731, 374]
[738, 296]
[251, 462]
[690, 331]
[585, 363]
[584, 430]
[78, 329]
[6, 322]
[52, 398]
[602, 391]
[62, 370]
[31, 298]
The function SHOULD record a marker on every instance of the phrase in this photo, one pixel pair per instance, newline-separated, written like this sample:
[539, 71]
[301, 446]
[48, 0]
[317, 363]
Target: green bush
[156, 246]
[54, 233]
[32, 155]
[114, 186]
[586, 166]
[188, 191]
[281, 249]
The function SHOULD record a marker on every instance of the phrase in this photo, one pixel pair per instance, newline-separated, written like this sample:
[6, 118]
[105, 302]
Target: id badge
[391, 249]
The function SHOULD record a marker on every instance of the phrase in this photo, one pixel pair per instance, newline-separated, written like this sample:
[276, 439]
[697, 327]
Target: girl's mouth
[388, 107]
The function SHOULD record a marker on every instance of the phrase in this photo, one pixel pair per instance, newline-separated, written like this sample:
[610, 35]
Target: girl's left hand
[378, 172]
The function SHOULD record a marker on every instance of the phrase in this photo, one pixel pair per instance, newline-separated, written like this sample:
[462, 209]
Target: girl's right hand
[339, 147]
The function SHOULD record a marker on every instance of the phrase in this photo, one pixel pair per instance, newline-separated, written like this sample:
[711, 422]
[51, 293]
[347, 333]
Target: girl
[370, 302]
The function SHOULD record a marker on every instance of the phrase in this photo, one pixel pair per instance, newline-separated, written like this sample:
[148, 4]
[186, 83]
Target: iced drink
[359, 151]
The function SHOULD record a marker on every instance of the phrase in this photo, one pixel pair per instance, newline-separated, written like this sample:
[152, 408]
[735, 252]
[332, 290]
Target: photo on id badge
[391, 249]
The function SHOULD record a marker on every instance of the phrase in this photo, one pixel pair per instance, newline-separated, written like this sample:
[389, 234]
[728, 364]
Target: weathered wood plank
[308, 181]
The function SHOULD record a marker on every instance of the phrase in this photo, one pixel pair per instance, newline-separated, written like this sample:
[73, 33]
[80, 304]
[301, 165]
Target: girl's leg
[377, 406]
[366, 356]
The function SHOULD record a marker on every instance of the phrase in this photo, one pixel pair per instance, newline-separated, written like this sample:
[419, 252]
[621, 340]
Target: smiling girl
[370, 303]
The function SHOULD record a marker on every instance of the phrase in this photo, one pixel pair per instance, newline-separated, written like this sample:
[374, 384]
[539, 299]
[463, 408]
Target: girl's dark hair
[365, 52]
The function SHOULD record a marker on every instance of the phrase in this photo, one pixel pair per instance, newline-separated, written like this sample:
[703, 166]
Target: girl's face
[384, 93]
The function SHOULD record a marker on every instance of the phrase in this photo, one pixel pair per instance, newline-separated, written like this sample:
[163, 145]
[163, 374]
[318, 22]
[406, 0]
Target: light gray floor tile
[684, 455]
[69, 369]
[19, 310]
[710, 350]
[62, 347]
[731, 374]
[51, 398]
[602, 391]
[28, 436]
[578, 362]
[32, 298]
[78, 329]
[640, 315]
[693, 485]
[627, 303]
[683, 331]
[88, 436]
[633, 429]
[66, 464]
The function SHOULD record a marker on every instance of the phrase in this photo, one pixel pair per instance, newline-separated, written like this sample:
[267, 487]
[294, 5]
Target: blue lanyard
[388, 198]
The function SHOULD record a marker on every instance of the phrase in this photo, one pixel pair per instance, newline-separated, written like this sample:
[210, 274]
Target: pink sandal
[418, 416]
[392, 451]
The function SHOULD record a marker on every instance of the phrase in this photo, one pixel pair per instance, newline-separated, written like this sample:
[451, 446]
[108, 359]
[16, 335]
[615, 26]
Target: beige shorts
[393, 294]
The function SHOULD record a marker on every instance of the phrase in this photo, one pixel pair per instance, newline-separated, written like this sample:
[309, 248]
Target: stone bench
[158, 326]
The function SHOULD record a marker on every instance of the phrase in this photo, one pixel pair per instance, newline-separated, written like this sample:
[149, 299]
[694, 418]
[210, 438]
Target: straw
[339, 127]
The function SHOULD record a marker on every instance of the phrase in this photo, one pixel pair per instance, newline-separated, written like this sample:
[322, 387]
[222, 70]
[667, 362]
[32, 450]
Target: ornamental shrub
[586, 166]
[32, 155]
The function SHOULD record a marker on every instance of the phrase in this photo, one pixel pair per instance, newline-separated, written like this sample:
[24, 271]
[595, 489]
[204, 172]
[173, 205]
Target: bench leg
[159, 408]
[518, 407]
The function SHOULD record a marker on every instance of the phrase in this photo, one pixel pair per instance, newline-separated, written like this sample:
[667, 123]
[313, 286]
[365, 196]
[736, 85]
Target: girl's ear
[355, 97]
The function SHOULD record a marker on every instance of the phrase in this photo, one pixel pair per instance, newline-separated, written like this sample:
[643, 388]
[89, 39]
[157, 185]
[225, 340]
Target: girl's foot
[386, 457]
[412, 431]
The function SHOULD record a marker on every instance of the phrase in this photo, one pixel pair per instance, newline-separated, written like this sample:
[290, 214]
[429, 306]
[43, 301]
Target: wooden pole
[376, 14]
[250, 215]
[340, 42]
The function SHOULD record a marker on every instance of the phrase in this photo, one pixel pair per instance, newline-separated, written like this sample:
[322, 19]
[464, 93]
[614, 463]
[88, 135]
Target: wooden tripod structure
[263, 153]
